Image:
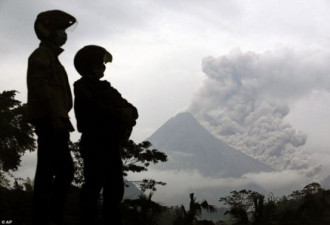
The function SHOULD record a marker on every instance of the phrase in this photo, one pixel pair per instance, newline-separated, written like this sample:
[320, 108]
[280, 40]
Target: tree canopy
[136, 158]
[16, 135]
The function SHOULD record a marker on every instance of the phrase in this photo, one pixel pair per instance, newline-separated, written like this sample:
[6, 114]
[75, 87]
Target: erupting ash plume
[246, 97]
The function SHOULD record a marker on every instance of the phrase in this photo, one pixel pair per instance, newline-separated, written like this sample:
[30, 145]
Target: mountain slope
[191, 147]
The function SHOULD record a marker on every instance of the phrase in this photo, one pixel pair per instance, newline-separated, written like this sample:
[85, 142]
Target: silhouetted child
[48, 105]
[105, 120]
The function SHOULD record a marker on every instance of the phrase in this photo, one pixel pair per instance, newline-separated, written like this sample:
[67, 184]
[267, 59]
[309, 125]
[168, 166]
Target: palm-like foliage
[190, 216]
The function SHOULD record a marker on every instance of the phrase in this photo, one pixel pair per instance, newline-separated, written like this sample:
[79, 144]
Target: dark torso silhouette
[99, 109]
[49, 101]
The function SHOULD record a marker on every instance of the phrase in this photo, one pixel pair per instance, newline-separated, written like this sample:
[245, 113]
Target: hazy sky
[265, 62]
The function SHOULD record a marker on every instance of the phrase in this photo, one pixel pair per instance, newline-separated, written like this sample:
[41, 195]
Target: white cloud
[181, 183]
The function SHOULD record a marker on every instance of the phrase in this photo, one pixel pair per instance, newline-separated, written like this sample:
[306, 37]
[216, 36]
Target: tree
[136, 158]
[270, 209]
[258, 206]
[244, 203]
[189, 217]
[313, 207]
[309, 205]
[311, 189]
[16, 135]
[78, 164]
[142, 210]
[148, 184]
[239, 203]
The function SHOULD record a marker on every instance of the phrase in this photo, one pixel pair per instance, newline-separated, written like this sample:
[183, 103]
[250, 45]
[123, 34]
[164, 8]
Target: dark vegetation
[311, 205]
[16, 136]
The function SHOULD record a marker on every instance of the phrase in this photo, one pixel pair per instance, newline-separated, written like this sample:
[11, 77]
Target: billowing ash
[245, 99]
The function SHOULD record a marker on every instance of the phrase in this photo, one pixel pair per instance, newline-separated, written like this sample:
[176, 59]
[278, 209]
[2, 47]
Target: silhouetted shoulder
[106, 84]
[40, 56]
[79, 83]
[82, 90]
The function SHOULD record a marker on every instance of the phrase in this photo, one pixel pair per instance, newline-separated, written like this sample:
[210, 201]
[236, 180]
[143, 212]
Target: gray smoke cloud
[246, 97]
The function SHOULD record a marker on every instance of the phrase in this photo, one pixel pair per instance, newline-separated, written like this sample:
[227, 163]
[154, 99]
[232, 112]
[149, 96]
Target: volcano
[190, 146]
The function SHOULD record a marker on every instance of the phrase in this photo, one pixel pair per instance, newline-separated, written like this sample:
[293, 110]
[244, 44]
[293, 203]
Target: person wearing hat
[49, 102]
[105, 120]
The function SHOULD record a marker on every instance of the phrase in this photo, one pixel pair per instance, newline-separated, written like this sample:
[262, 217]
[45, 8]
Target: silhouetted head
[51, 25]
[90, 61]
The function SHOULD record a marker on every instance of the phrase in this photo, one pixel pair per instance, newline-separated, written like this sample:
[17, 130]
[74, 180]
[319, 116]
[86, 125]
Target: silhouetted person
[49, 101]
[105, 120]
